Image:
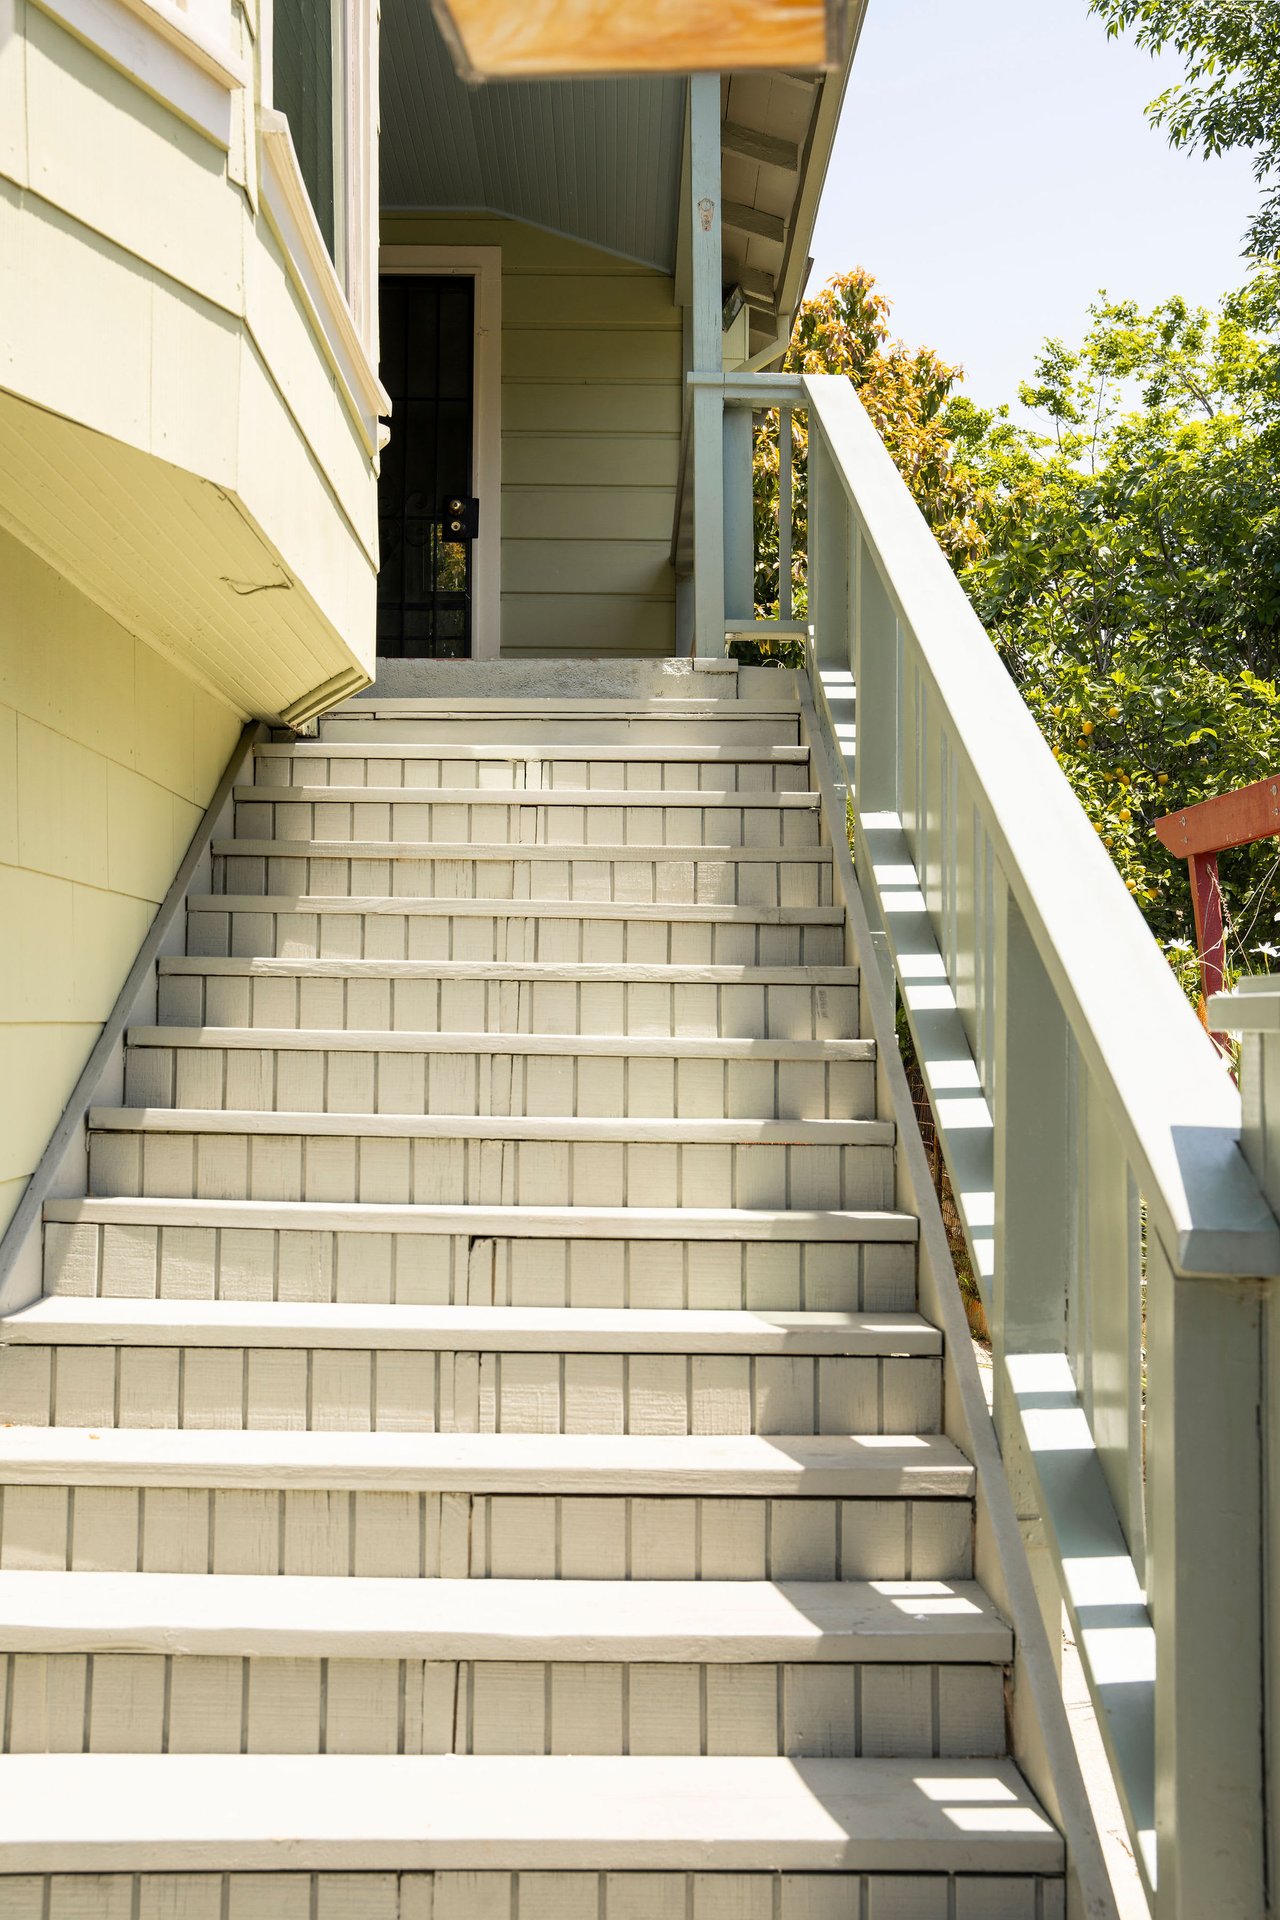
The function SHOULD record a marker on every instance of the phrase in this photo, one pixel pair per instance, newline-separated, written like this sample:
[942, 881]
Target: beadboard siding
[108, 757]
[592, 369]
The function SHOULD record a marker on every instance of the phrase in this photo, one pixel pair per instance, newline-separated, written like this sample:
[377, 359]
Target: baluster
[830, 550]
[739, 516]
[876, 677]
[786, 514]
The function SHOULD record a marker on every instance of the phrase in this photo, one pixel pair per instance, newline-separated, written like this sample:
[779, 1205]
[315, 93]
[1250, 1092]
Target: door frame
[484, 266]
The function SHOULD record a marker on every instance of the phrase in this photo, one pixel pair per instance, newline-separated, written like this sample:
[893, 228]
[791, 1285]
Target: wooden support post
[708, 357]
[1205, 1587]
[1211, 945]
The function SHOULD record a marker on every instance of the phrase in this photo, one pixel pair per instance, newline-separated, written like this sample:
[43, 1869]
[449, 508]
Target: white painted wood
[96, 1812]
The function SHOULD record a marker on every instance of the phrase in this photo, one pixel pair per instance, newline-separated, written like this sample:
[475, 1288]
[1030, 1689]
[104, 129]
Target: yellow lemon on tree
[1125, 814]
[1086, 728]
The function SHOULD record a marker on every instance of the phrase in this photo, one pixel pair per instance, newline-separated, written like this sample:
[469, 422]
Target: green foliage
[845, 329]
[1129, 575]
[1231, 50]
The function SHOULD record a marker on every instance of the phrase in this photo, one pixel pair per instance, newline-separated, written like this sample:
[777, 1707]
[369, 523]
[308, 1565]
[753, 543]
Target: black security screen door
[424, 584]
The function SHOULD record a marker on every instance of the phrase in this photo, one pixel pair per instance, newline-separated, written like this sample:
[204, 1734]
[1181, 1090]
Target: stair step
[467, 1160]
[92, 1813]
[228, 1663]
[648, 875]
[344, 1505]
[780, 1003]
[570, 817]
[739, 1466]
[207, 1365]
[540, 1330]
[399, 1072]
[721, 1622]
[625, 1257]
[543, 767]
[396, 927]
[533, 723]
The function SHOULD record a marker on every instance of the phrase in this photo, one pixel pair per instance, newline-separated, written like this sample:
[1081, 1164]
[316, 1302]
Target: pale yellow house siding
[108, 756]
[591, 381]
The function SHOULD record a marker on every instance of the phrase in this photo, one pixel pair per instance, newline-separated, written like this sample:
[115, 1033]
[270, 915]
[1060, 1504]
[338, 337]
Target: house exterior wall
[188, 414]
[591, 389]
[108, 756]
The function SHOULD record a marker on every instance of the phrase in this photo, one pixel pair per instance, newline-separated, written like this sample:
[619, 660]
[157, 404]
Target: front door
[427, 325]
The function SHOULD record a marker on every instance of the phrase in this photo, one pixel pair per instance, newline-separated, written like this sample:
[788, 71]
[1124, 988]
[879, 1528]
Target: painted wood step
[779, 1003]
[543, 767]
[218, 1663]
[555, 1331]
[646, 875]
[706, 1622]
[385, 927]
[574, 817]
[403, 1159]
[278, 1519]
[737, 723]
[388, 1072]
[168, 1364]
[626, 1257]
[590, 1814]
[536, 1896]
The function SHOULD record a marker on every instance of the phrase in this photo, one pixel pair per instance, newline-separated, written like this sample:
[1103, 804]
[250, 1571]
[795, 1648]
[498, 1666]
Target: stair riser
[534, 1896]
[459, 1172]
[614, 773]
[458, 1536]
[342, 1080]
[578, 939]
[157, 1703]
[361, 1390]
[728, 731]
[791, 882]
[527, 822]
[424, 1269]
[640, 1009]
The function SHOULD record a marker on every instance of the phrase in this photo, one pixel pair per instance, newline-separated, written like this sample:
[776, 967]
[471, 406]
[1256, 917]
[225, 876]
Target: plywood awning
[492, 39]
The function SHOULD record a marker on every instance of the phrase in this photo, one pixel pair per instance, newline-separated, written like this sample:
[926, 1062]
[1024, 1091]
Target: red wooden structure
[1198, 835]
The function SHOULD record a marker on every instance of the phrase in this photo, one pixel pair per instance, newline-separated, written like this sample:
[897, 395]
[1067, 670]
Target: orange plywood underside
[495, 38]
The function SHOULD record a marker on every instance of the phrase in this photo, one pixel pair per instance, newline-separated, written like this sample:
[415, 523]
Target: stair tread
[625, 1223]
[709, 706]
[603, 854]
[473, 906]
[866, 1466]
[61, 1320]
[631, 972]
[435, 1126]
[718, 1621]
[728, 754]
[406, 1040]
[94, 1812]
[754, 798]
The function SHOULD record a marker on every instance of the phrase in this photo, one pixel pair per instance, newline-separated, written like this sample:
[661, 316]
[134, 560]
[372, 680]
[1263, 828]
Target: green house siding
[591, 381]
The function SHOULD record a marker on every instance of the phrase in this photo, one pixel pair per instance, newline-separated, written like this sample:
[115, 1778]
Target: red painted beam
[1228, 820]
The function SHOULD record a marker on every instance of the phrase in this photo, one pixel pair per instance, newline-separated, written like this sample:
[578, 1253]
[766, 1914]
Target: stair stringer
[1039, 1732]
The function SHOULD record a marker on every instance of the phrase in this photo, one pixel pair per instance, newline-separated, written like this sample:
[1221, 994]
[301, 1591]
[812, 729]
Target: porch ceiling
[598, 160]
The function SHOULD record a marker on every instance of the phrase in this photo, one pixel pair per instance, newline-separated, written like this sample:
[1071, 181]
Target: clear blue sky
[994, 168]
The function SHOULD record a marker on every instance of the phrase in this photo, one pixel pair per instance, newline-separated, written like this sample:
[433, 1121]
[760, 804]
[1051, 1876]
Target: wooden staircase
[477, 1456]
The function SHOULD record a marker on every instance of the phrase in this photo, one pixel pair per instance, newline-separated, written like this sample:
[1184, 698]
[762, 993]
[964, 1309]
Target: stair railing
[1120, 1239]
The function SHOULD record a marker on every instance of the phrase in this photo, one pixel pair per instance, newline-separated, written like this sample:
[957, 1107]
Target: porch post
[708, 357]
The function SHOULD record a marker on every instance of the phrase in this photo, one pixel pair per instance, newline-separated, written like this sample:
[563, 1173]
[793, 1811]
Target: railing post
[830, 555]
[876, 673]
[1034, 1169]
[786, 514]
[739, 517]
[708, 357]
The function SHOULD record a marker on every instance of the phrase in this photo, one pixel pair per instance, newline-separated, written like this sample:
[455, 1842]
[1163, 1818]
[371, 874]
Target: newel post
[708, 358]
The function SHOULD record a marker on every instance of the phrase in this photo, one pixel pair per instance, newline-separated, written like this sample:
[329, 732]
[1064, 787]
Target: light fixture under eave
[514, 39]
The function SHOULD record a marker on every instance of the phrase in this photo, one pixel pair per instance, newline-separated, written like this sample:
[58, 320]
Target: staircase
[477, 1456]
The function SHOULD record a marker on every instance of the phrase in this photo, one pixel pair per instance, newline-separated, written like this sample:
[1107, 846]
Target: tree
[1231, 49]
[1129, 573]
[845, 329]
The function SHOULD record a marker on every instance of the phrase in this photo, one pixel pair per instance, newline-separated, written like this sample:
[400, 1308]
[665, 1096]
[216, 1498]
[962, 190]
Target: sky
[993, 169]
